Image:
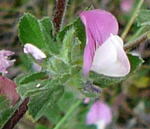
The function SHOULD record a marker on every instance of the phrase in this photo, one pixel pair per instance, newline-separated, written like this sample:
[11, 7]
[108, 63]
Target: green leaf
[29, 89]
[144, 17]
[79, 31]
[36, 32]
[32, 77]
[6, 111]
[65, 52]
[76, 53]
[104, 81]
[46, 98]
[56, 66]
[53, 113]
[39, 126]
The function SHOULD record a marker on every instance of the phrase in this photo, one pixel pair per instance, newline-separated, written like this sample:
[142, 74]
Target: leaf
[144, 17]
[67, 45]
[32, 77]
[76, 53]
[41, 100]
[104, 81]
[36, 32]
[53, 113]
[79, 31]
[56, 66]
[29, 89]
[6, 111]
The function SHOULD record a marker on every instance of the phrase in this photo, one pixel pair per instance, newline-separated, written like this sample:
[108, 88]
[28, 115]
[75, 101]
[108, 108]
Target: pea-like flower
[100, 114]
[34, 51]
[103, 53]
[4, 60]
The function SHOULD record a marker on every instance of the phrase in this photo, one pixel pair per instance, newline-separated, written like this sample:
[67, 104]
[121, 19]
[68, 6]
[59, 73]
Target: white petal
[34, 51]
[110, 59]
[100, 124]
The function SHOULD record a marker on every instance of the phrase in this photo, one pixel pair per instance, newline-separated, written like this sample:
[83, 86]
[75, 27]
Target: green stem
[67, 115]
[135, 14]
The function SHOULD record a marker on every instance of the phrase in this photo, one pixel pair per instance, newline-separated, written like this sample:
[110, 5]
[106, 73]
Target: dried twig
[137, 42]
[59, 13]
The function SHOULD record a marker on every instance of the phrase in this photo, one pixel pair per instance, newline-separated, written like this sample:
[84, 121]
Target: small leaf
[79, 31]
[41, 100]
[33, 77]
[67, 45]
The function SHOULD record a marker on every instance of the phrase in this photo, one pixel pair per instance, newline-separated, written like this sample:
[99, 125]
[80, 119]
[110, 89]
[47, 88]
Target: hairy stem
[18, 114]
[67, 115]
[133, 17]
[137, 42]
[59, 13]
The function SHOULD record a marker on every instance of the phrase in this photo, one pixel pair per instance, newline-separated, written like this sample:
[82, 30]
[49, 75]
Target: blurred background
[130, 100]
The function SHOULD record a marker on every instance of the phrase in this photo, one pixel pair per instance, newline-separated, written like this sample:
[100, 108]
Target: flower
[99, 114]
[8, 89]
[4, 61]
[126, 5]
[103, 52]
[34, 51]
[86, 100]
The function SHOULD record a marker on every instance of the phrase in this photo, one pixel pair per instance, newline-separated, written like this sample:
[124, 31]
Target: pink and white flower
[103, 53]
[126, 5]
[34, 51]
[4, 60]
[100, 114]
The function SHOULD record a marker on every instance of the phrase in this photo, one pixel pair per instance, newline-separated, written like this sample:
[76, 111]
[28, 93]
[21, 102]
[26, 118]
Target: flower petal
[99, 112]
[34, 51]
[110, 59]
[4, 61]
[99, 24]
[126, 5]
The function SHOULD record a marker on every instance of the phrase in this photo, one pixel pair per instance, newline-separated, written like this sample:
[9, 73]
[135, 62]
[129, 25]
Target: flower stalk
[67, 115]
[131, 21]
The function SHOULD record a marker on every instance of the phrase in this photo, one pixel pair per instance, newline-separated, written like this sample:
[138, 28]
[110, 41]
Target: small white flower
[34, 51]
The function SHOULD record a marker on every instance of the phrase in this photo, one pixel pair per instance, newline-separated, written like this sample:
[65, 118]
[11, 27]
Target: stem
[137, 42]
[135, 14]
[18, 114]
[59, 13]
[67, 115]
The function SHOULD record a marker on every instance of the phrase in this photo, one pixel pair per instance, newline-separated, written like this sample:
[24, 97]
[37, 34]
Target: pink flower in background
[99, 114]
[8, 89]
[34, 51]
[103, 52]
[126, 5]
[4, 61]
[86, 100]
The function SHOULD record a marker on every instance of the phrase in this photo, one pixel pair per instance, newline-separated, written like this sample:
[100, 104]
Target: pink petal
[4, 61]
[99, 112]
[99, 24]
[8, 89]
